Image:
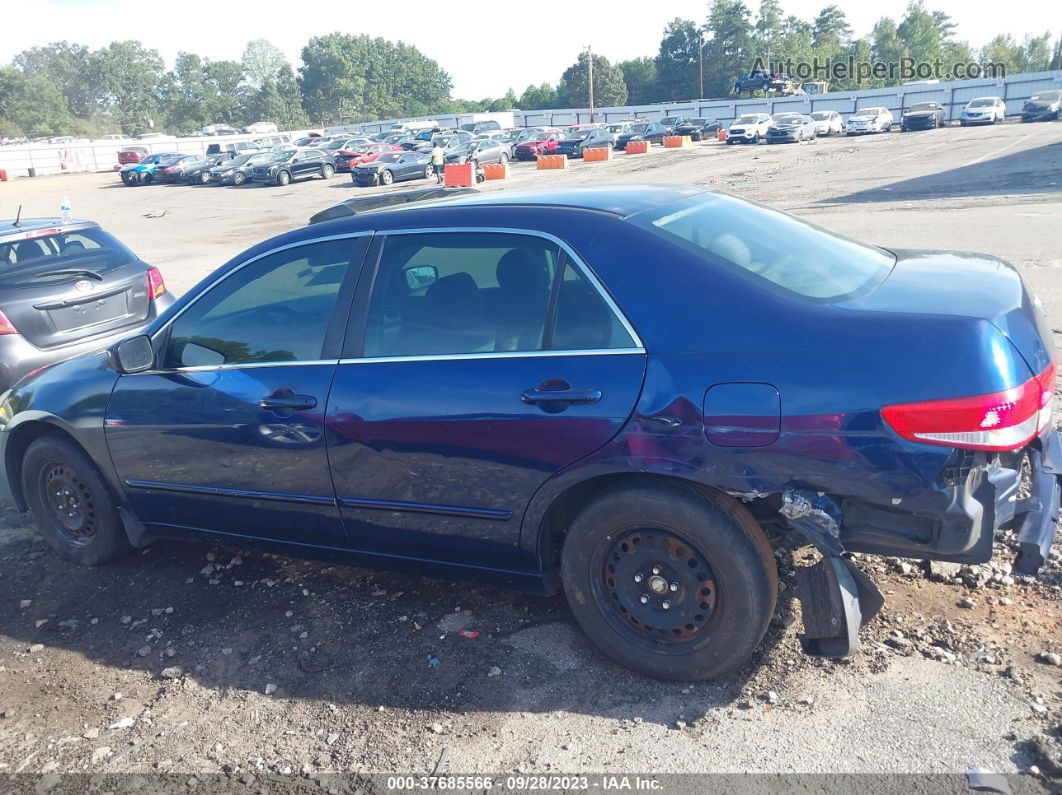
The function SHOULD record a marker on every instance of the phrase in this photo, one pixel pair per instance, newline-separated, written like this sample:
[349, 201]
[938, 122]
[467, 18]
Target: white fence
[1015, 90]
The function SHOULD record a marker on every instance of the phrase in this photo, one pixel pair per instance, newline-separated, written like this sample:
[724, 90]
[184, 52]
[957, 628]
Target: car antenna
[18, 215]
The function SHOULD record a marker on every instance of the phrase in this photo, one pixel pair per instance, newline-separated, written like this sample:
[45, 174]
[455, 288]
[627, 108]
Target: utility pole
[590, 79]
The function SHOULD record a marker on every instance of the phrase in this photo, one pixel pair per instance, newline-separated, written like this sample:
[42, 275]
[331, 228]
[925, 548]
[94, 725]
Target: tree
[540, 97]
[261, 62]
[70, 68]
[886, 43]
[944, 25]
[677, 63]
[1036, 53]
[920, 34]
[641, 78]
[278, 100]
[354, 78]
[130, 77]
[609, 88]
[32, 104]
[770, 27]
[831, 30]
[730, 51]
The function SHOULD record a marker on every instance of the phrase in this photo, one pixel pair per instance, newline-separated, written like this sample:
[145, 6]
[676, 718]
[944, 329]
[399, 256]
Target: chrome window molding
[447, 357]
[574, 258]
[210, 368]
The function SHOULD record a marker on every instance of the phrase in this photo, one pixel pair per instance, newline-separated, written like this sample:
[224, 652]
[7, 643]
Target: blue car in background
[609, 391]
[143, 173]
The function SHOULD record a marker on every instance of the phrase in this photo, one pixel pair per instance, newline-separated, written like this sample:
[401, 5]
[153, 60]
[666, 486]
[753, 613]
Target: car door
[478, 363]
[226, 434]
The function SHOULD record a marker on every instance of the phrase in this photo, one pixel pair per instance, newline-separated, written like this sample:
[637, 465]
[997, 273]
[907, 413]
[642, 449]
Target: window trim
[569, 256]
[162, 334]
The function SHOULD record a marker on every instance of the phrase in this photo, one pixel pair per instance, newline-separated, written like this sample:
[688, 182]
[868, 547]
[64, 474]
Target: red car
[132, 154]
[346, 159]
[532, 148]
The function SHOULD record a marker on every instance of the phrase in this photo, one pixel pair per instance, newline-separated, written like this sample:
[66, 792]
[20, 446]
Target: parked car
[669, 123]
[236, 171]
[68, 288]
[269, 141]
[336, 145]
[200, 174]
[132, 154]
[143, 172]
[536, 145]
[983, 110]
[480, 151]
[177, 170]
[922, 116]
[233, 148]
[422, 140]
[587, 138]
[828, 122]
[480, 126]
[759, 80]
[1043, 106]
[346, 159]
[748, 128]
[870, 120]
[698, 129]
[791, 128]
[286, 166]
[651, 131]
[261, 128]
[392, 167]
[299, 390]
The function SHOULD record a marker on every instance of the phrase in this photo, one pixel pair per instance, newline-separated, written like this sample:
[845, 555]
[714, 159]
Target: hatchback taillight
[1006, 420]
[156, 285]
[6, 326]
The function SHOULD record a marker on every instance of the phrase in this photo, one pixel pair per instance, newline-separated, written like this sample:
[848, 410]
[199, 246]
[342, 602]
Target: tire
[238, 178]
[147, 179]
[203, 178]
[283, 178]
[630, 540]
[328, 171]
[128, 180]
[92, 533]
[386, 177]
[503, 159]
[756, 138]
[429, 172]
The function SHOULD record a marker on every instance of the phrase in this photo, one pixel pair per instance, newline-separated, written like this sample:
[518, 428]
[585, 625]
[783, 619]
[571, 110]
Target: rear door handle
[561, 395]
[288, 402]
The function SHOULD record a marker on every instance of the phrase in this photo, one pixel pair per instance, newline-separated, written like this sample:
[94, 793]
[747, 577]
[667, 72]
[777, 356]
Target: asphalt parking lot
[281, 670]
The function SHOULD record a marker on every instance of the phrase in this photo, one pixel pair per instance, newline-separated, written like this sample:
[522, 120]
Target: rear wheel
[147, 178]
[429, 172]
[70, 503]
[503, 158]
[328, 171]
[669, 581]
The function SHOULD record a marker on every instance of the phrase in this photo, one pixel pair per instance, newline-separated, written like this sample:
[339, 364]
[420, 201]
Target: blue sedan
[609, 391]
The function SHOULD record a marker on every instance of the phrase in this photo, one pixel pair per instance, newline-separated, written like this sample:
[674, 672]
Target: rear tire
[704, 557]
[327, 171]
[70, 503]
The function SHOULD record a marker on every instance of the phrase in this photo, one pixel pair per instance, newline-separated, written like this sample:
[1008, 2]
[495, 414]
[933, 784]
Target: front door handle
[288, 402]
[569, 395]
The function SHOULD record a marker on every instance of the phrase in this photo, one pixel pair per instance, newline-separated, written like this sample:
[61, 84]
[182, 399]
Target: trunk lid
[965, 285]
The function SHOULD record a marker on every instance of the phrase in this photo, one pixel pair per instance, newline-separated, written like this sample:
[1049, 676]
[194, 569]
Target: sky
[501, 45]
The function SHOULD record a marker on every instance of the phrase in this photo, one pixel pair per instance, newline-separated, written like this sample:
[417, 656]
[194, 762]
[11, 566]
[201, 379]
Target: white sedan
[870, 120]
[983, 110]
[828, 122]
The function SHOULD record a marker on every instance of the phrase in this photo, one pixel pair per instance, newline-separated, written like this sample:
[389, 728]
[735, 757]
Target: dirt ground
[248, 671]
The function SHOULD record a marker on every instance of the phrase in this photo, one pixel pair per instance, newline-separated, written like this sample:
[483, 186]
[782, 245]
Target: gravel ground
[251, 671]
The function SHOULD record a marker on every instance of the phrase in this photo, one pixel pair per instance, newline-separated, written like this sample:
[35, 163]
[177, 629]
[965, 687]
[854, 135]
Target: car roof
[8, 228]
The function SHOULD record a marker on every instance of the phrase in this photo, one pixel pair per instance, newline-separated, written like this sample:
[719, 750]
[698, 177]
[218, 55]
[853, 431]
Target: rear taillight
[156, 285]
[6, 326]
[1006, 420]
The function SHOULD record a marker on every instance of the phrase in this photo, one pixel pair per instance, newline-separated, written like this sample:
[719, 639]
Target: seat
[521, 301]
[452, 319]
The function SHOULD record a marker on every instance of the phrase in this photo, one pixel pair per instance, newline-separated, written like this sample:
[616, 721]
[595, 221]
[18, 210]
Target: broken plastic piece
[748, 496]
[816, 516]
[468, 633]
[434, 662]
[981, 780]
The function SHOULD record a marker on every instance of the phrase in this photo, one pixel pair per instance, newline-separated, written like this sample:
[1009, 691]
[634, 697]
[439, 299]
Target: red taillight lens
[1006, 420]
[156, 286]
[6, 326]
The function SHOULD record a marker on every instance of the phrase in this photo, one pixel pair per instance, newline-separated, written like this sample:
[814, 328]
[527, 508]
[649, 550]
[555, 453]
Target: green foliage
[31, 104]
[541, 97]
[677, 62]
[130, 78]
[261, 63]
[609, 87]
[641, 77]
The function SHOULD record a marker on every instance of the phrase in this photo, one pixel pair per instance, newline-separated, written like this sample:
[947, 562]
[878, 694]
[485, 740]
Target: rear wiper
[70, 272]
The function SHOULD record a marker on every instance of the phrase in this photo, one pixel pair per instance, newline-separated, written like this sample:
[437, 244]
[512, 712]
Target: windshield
[61, 256]
[1045, 96]
[866, 113]
[981, 103]
[669, 120]
[786, 118]
[820, 115]
[748, 119]
[388, 157]
[540, 136]
[237, 161]
[922, 106]
[639, 129]
[767, 244]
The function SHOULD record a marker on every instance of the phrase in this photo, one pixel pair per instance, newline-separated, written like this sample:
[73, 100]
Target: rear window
[60, 257]
[798, 257]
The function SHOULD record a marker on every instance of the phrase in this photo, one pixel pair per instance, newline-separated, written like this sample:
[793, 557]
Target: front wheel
[238, 179]
[203, 178]
[283, 178]
[328, 171]
[70, 503]
[756, 138]
[669, 581]
[386, 177]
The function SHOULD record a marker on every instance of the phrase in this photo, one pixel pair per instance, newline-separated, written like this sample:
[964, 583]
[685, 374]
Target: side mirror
[133, 355]
[421, 276]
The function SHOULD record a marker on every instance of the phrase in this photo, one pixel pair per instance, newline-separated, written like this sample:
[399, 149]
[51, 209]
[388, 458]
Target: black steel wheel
[71, 505]
[669, 580]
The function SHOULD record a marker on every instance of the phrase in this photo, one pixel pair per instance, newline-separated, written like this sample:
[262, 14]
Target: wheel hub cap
[69, 501]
